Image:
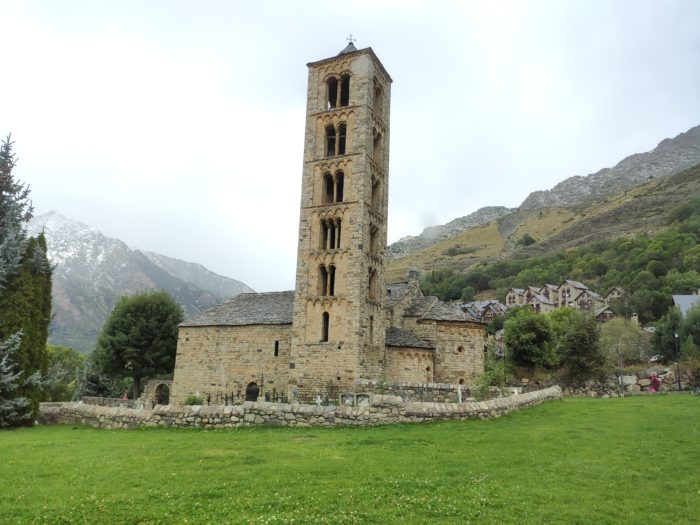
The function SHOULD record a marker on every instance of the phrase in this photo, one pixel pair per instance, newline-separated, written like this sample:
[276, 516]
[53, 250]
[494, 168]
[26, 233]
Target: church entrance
[251, 392]
[162, 395]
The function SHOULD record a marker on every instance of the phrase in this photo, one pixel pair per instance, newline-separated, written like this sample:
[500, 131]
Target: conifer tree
[25, 291]
[14, 408]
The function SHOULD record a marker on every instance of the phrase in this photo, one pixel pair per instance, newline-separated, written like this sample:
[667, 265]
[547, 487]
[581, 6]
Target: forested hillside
[649, 267]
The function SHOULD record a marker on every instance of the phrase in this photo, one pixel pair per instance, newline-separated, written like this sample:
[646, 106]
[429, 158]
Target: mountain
[93, 271]
[435, 234]
[669, 157]
[635, 196]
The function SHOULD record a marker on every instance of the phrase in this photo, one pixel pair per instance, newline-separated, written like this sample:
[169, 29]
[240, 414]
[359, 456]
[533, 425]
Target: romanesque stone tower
[338, 332]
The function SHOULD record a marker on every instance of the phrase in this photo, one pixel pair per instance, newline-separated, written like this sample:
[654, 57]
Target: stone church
[342, 323]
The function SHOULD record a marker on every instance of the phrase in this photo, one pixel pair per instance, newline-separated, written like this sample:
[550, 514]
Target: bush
[193, 399]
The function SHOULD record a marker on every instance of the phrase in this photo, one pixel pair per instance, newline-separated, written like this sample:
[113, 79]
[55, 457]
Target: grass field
[631, 460]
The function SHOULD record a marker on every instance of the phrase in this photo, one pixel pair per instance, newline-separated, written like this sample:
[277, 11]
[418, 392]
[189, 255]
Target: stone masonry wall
[222, 360]
[381, 411]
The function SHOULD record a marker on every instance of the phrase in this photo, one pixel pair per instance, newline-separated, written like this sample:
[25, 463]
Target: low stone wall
[382, 410]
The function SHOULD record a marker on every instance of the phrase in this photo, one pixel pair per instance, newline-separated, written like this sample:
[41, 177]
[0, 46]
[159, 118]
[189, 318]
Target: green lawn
[632, 460]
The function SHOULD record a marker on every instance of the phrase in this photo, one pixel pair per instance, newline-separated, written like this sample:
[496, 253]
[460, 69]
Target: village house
[341, 325]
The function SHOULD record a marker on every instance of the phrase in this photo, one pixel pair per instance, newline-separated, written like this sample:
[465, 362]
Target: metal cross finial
[350, 38]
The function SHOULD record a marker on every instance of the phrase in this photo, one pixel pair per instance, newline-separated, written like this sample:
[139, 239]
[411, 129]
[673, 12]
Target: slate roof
[576, 284]
[247, 309]
[350, 48]
[434, 309]
[397, 337]
[396, 292]
[541, 299]
[685, 302]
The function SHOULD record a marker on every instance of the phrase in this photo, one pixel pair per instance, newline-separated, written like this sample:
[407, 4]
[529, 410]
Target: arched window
[325, 327]
[377, 147]
[342, 130]
[373, 239]
[332, 92]
[330, 234]
[345, 90]
[331, 280]
[339, 186]
[377, 97]
[322, 280]
[328, 188]
[372, 292]
[375, 192]
[330, 141]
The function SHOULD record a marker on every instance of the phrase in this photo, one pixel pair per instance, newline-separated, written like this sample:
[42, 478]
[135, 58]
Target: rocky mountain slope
[634, 196]
[671, 156]
[435, 234]
[93, 271]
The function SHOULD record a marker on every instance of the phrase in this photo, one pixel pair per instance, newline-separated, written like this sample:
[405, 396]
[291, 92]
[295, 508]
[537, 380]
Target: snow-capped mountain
[93, 271]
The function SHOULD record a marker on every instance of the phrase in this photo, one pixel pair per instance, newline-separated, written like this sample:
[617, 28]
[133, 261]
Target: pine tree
[14, 408]
[15, 209]
[25, 289]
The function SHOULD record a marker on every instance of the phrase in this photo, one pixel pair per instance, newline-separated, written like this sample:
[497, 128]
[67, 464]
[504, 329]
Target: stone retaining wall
[382, 410]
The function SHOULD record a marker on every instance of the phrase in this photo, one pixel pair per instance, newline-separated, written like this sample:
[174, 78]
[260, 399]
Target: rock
[644, 382]
[633, 388]
[629, 380]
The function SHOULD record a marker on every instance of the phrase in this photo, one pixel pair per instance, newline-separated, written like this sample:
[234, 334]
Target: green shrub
[193, 399]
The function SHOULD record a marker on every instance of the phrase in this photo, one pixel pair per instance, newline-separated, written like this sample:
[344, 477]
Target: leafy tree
[664, 340]
[561, 320]
[15, 409]
[139, 339]
[623, 342]
[690, 332]
[582, 356]
[65, 366]
[529, 339]
[526, 240]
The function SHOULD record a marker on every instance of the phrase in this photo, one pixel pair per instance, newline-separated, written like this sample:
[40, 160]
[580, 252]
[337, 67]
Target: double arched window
[326, 280]
[336, 138]
[330, 234]
[338, 89]
[333, 187]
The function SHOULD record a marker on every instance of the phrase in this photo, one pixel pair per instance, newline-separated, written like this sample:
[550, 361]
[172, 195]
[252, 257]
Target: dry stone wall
[382, 410]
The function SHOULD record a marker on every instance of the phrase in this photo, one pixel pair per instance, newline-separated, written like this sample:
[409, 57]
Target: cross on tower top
[350, 38]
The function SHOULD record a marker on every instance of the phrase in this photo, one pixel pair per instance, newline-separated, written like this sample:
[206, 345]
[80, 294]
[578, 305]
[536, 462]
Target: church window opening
[332, 92]
[324, 327]
[345, 90]
[251, 392]
[371, 328]
[330, 234]
[372, 285]
[377, 97]
[328, 188]
[331, 280]
[330, 141]
[376, 147]
[460, 349]
[322, 281]
[277, 348]
[339, 186]
[375, 192]
[324, 235]
[342, 131]
[373, 240]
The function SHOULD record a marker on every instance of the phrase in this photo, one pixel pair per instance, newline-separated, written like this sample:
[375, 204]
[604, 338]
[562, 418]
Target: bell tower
[338, 331]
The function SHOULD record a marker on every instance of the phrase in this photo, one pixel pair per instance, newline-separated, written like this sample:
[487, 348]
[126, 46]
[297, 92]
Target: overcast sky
[178, 126]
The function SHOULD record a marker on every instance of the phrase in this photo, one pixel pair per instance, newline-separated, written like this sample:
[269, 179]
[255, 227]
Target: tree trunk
[137, 387]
